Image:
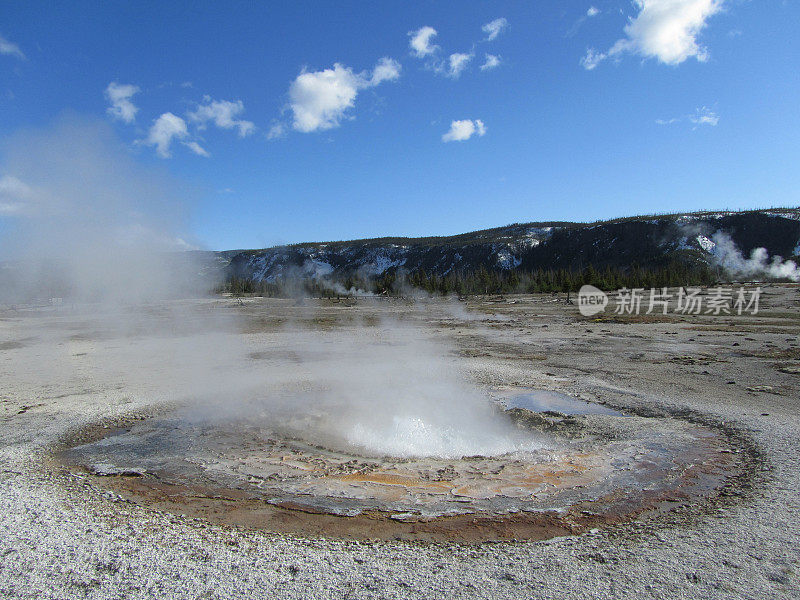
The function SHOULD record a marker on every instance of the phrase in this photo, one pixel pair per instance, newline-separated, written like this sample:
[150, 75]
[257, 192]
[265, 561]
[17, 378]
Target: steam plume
[94, 226]
[729, 257]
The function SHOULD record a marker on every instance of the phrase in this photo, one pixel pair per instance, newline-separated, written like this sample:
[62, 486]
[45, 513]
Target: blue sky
[588, 109]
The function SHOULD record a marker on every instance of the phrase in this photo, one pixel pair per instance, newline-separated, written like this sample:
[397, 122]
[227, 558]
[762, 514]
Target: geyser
[101, 232]
[387, 389]
[597, 469]
[409, 436]
[292, 411]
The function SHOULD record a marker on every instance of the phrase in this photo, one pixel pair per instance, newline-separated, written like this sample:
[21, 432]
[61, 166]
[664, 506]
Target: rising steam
[92, 225]
[104, 233]
[728, 256]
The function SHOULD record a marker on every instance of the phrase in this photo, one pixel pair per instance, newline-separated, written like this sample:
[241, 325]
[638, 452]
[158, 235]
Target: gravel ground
[63, 536]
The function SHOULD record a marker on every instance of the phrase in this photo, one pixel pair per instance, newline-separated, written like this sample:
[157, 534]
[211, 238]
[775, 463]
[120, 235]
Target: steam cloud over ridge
[729, 257]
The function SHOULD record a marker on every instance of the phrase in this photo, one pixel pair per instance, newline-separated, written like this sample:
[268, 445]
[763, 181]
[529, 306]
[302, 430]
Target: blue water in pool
[544, 400]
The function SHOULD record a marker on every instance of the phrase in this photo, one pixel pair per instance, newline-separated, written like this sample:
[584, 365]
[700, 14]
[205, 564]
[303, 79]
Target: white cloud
[592, 59]
[320, 99]
[142, 236]
[420, 42]
[162, 132]
[10, 208]
[277, 131]
[11, 187]
[494, 28]
[14, 195]
[224, 115]
[666, 30]
[10, 48]
[492, 61]
[19, 198]
[705, 116]
[457, 62]
[463, 130]
[592, 11]
[119, 95]
[387, 69]
[197, 148]
[701, 116]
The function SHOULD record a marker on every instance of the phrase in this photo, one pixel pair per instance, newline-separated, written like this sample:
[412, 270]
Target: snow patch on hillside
[705, 243]
[506, 260]
[380, 262]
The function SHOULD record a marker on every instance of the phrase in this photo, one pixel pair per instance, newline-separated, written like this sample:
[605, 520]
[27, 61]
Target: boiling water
[412, 437]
